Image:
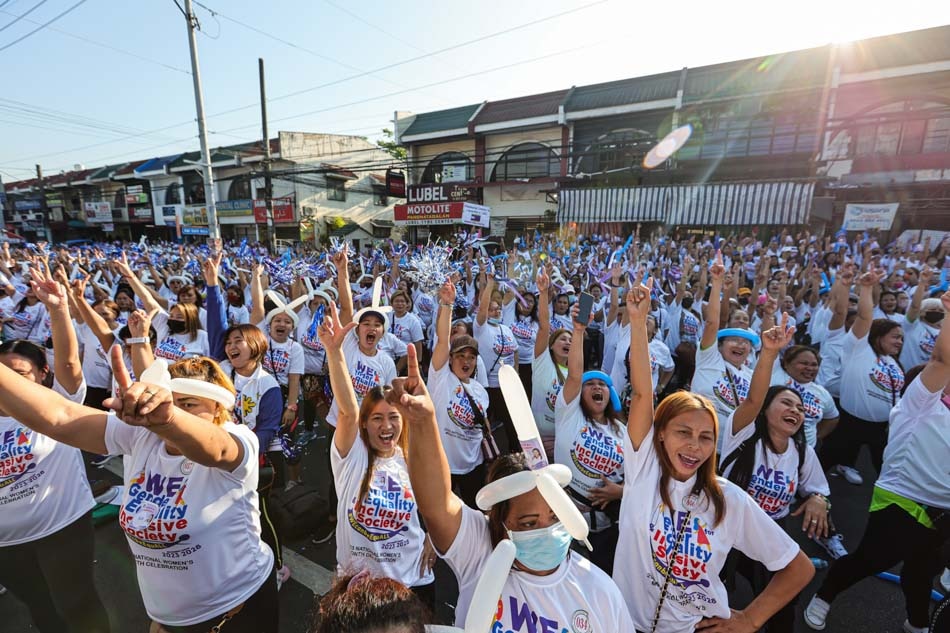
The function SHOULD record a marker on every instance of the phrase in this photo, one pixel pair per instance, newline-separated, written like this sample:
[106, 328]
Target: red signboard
[422, 214]
[395, 183]
[283, 211]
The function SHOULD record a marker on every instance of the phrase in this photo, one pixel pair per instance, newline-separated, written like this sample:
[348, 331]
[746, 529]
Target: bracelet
[292, 407]
[137, 340]
[823, 498]
[447, 305]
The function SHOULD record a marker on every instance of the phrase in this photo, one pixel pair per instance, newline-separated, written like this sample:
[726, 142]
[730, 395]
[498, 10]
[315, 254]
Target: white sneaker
[945, 581]
[833, 544]
[850, 474]
[910, 628]
[816, 612]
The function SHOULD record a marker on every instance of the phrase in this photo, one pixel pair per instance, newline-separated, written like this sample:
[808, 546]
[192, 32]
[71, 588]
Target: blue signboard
[194, 230]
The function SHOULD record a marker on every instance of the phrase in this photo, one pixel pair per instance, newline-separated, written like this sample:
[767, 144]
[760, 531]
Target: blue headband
[746, 334]
[599, 375]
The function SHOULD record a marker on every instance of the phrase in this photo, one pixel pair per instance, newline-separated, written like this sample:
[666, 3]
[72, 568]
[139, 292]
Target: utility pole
[214, 231]
[44, 209]
[268, 190]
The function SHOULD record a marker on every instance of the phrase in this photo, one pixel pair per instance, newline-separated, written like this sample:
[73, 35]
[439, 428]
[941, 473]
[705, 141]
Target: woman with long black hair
[46, 532]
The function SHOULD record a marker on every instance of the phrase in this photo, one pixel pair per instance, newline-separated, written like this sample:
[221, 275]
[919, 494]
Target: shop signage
[141, 214]
[441, 193]
[454, 172]
[97, 211]
[30, 204]
[108, 227]
[54, 200]
[421, 214]
[134, 189]
[170, 211]
[868, 217]
[498, 227]
[283, 211]
[194, 215]
[395, 183]
[232, 208]
[475, 214]
[136, 198]
[194, 230]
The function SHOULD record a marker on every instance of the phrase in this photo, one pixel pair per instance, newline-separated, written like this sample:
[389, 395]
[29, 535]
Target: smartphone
[585, 302]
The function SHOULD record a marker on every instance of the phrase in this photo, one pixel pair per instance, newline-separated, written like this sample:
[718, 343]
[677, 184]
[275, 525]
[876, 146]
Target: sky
[110, 81]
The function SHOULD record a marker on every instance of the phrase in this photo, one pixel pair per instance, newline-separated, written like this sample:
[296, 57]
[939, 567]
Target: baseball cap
[463, 341]
[744, 292]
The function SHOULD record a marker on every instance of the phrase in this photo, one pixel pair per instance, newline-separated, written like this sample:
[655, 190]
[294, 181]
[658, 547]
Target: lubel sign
[440, 193]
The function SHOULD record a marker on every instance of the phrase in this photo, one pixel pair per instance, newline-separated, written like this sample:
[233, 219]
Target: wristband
[447, 305]
[292, 407]
[137, 340]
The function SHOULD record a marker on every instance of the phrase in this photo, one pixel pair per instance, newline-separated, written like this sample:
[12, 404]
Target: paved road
[872, 606]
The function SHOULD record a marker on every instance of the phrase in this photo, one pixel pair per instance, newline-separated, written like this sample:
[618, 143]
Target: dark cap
[463, 341]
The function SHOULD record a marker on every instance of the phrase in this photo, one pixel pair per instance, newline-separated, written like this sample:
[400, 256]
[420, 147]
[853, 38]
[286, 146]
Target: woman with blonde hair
[378, 528]
[189, 509]
[680, 521]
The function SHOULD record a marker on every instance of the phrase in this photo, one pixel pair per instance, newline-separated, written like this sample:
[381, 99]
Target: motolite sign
[434, 213]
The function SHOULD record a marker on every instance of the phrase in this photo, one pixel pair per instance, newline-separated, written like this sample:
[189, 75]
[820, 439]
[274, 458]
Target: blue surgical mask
[494, 321]
[542, 549]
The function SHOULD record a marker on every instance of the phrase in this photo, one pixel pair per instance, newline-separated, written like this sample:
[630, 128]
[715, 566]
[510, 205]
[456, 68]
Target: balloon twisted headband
[157, 374]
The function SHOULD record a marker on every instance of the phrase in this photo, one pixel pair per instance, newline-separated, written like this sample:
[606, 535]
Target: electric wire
[44, 25]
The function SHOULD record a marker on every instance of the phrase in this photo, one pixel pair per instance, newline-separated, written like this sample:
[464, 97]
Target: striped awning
[759, 203]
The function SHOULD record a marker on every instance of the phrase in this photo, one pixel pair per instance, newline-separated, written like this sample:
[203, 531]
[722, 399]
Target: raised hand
[717, 271]
[776, 338]
[47, 289]
[138, 404]
[410, 396]
[210, 268]
[331, 332]
[638, 302]
[544, 282]
[140, 322]
[447, 294]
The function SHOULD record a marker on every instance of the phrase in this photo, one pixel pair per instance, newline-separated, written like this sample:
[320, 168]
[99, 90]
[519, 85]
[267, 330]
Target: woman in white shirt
[461, 403]
[180, 334]
[404, 324]
[549, 368]
[46, 531]
[910, 506]
[548, 586]
[871, 383]
[765, 454]
[797, 370]
[189, 510]
[497, 344]
[680, 521]
[381, 532]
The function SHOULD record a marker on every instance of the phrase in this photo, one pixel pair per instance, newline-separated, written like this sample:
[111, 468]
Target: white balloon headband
[375, 307]
[289, 309]
[157, 374]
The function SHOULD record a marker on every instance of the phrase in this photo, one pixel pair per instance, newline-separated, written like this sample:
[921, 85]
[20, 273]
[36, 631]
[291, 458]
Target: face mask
[494, 321]
[542, 549]
[176, 327]
[933, 317]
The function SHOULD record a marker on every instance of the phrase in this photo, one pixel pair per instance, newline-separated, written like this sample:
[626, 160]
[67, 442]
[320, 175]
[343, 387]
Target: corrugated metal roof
[623, 92]
[899, 49]
[156, 164]
[784, 71]
[107, 172]
[544, 104]
[441, 120]
[130, 168]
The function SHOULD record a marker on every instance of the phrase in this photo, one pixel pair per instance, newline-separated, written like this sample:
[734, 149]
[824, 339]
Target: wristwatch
[136, 340]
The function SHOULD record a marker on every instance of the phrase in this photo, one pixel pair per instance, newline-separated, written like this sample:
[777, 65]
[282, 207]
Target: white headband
[287, 309]
[185, 279]
[202, 389]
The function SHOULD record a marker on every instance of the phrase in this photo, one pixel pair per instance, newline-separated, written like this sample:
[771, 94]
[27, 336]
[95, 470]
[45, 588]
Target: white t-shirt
[383, 534]
[43, 486]
[829, 374]
[95, 360]
[917, 456]
[589, 449]
[194, 531]
[366, 372]
[283, 359]
[392, 346]
[818, 403]
[27, 323]
[314, 354]
[237, 315]
[561, 321]
[870, 384]
[776, 479]
[818, 326]
[724, 385]
[525, 331]
[919, 341]
[495, 342]
[650, 529]
[578, 597]
[423, 306]
[407, 328]
[545, 387]
[174, 347]
[460, 431]
[660, 358]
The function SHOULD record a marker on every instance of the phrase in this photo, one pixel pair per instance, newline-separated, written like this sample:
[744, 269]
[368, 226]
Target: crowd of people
[689, 393]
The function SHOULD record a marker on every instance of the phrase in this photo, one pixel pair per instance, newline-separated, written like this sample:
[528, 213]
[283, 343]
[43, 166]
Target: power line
[332, 83]
[20, 17]
[43, 26]
[105, 46]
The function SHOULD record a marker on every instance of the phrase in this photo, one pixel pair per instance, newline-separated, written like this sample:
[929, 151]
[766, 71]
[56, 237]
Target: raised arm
[217, 310]
[936, 375]
[839, 297]
[90, 317]
[773, 341]
[575, 359]
[443, 325]
[428, 467]
[711, 329]
[332, 333]
[862, 323]
[342, 262]
[257, 294]
[484, 301]
[544, 314]
[923, 286]
[141, 352]
[67, 365]
[640, 418]
[148, 301]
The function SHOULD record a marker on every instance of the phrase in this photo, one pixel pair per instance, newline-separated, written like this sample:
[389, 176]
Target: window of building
[380, 199]
[904, 128]
[239, 189]
[528, 160]
[382, 232]
[448, 167]
[119, 201]
[937, 136]
[336, 189]
[620, 149]
[194, 190]
[173, 194]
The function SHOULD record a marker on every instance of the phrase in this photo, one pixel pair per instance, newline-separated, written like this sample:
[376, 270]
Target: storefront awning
[733, 204]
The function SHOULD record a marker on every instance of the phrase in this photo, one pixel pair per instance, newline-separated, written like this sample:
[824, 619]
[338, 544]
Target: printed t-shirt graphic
[590, 450]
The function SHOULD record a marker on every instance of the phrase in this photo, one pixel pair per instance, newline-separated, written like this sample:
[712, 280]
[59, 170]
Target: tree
[389, 145]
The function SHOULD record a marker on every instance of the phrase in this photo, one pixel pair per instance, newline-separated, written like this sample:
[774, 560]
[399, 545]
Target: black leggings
[842, 446]
[467, 486]
[258, 615]
[893, 536]
[53, 576]
[759, 577]
[498, 412]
